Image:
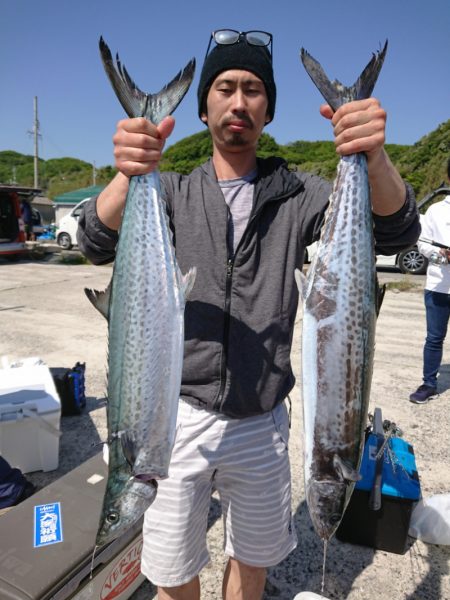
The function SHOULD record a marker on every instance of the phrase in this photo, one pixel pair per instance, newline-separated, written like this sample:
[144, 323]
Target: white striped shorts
[247, 462]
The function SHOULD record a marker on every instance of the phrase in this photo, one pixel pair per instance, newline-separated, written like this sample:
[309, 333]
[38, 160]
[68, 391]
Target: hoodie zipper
[226, 332]
[227, 316]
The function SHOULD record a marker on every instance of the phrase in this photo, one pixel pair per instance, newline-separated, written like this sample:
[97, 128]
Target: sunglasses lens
[258, 38]
[226, 36]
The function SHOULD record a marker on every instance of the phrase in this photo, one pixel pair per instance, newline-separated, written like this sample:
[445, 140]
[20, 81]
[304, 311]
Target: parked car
[12, 230]
[409, 260]
[66, 231]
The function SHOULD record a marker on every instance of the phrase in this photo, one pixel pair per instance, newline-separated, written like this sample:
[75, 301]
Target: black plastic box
[385, 528]
[70, 385]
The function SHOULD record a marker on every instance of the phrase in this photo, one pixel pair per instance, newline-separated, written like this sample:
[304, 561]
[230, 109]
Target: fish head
[123, 507]
[327, 500]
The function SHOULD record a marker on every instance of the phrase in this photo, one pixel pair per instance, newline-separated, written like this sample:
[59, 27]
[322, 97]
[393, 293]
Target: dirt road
[43, 312]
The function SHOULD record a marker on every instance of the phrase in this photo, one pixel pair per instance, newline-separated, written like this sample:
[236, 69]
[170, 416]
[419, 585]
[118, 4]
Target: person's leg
[243, 582]
[174, 531]
[253, 482]
[187, 591]
[437, 316]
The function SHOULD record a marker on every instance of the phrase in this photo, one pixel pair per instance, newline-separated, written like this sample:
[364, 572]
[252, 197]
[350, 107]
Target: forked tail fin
[334, 92]
[140, 104]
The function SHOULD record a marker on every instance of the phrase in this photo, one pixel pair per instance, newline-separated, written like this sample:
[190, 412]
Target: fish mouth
[126, 510]
[326, 501]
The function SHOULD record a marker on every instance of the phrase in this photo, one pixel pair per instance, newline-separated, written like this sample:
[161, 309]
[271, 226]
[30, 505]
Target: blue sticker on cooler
[47, 524]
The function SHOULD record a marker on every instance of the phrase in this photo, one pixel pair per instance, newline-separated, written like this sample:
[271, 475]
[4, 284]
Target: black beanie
[243, 56]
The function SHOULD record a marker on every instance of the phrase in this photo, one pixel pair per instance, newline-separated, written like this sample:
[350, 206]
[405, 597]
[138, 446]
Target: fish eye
[335, 519]
[112, 517]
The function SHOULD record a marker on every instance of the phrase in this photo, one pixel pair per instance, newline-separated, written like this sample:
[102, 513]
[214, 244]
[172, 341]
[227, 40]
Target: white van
[66, 231]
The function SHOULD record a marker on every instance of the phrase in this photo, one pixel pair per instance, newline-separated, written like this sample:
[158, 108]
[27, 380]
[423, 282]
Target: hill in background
[56, 175]
[423, 164]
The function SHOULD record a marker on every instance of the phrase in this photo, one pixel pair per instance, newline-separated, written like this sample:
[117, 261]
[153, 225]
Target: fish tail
[141, 104]
[334, 92]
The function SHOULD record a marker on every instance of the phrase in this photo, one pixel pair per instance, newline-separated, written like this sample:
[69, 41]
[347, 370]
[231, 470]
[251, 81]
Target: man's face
[236, 110]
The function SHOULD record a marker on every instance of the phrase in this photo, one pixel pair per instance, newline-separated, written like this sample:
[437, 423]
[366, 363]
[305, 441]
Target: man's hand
[359, 126]
[138, 144]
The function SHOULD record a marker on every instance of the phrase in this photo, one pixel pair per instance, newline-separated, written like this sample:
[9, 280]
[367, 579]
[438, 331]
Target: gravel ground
[43, 312]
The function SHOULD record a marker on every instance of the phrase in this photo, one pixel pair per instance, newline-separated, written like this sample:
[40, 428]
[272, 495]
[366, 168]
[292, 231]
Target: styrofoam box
[30, 413]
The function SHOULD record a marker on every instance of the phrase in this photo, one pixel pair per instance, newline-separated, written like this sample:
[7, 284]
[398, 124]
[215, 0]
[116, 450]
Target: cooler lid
[33, 569]
[29, 388]
[399, 476]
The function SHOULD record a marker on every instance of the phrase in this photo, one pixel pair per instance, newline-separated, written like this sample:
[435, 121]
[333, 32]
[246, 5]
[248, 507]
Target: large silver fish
[340, 305]
[144, 305]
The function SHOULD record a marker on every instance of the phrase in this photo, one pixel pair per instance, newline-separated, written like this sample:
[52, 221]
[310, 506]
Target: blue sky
[49, 49]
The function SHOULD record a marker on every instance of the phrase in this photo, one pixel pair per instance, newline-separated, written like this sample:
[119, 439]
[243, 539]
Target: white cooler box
[30, 412]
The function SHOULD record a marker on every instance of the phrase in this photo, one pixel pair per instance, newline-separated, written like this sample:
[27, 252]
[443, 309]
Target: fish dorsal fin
[137, 103]
[345, 471]
[334, 92]
[100, 300]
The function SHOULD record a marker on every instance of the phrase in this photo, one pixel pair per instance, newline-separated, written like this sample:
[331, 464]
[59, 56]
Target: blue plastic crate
[385, 528]
[400, 478]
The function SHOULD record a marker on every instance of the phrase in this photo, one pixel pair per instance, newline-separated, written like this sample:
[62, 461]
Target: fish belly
[339, 326]
[146, 331]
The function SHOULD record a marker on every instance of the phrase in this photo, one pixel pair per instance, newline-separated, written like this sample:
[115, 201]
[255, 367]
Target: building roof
[78, 195]
[42, 201]
[22, 191]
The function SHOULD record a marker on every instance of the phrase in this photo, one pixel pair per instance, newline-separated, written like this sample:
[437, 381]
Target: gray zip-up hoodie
[239, 317]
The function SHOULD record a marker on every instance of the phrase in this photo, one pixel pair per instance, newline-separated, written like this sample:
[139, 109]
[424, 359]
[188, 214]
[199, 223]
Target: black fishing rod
[433, 243]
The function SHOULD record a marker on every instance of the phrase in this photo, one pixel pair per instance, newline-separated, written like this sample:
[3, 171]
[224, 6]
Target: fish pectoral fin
[100, 300]
[188, 280]
[129, 449]
[300, 279]
[146, 478]
[345, 471]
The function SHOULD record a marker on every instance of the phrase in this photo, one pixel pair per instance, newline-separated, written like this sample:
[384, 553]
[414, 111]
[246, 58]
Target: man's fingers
[326, 111]
[166, 126]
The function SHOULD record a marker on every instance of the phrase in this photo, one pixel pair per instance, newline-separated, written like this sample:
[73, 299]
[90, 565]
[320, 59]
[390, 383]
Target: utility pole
[36, 150]
[35, 132]
[94, 174]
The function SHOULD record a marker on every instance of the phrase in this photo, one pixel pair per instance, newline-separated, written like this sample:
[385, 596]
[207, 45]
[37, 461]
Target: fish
[144, 305]
[340, 300]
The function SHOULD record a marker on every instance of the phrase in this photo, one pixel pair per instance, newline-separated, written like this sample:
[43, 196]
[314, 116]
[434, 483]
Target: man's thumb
[166, 126]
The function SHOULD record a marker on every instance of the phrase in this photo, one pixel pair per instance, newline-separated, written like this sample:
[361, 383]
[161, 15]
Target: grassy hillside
[423, 164]
[56, 175]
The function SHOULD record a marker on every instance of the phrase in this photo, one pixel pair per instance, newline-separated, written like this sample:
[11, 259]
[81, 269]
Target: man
[244, 223]
[436, 227]
[27, 217]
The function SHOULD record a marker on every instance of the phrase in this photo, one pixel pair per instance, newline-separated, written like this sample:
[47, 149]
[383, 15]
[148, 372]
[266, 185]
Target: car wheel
[412, 261]
[64, 241]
